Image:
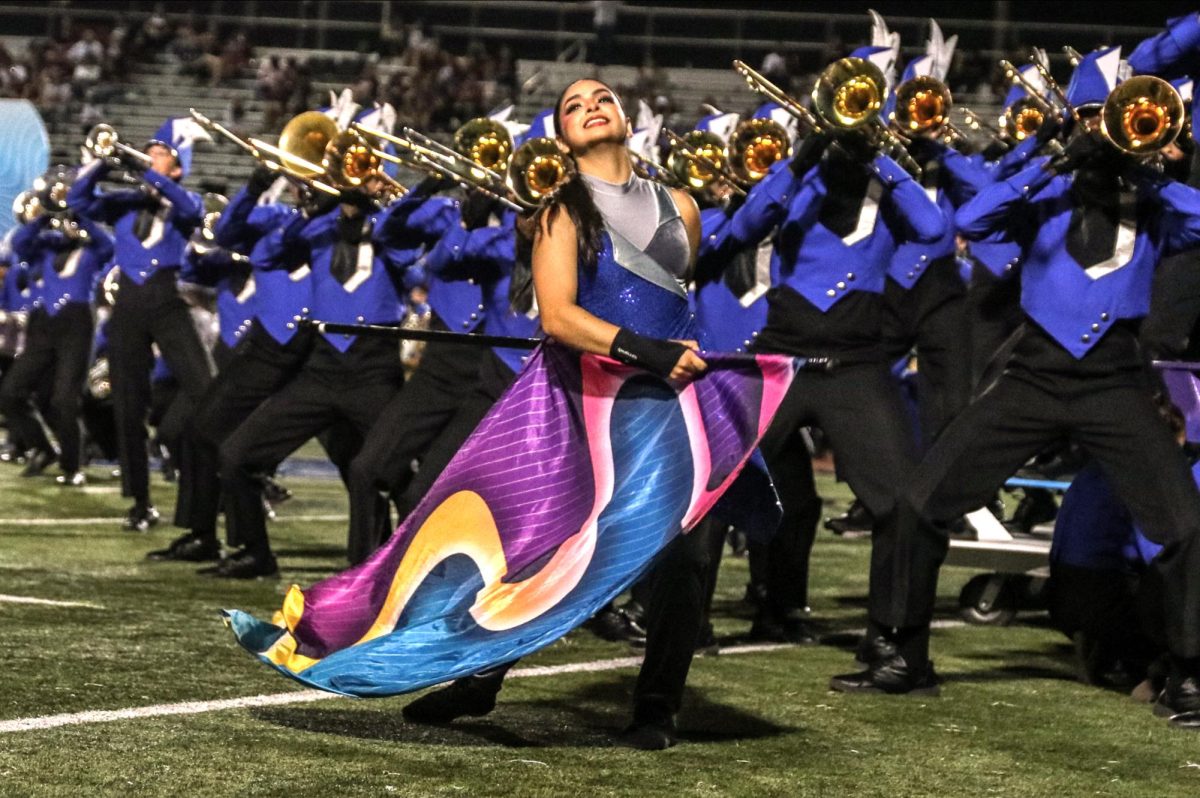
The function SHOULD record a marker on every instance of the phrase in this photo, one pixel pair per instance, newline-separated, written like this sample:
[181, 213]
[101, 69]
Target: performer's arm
[992, 209]
[104, 207]
[485, 253]
[1181, 210]
[923, 219]
[1170, 53]
[187, 211]
[25, 243]
[98, 240]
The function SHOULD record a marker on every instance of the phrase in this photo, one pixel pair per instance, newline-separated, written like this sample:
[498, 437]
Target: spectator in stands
[87, 49]
[604, 23]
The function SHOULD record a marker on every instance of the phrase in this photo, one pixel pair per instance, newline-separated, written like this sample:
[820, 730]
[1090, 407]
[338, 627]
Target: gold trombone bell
[1142, 115]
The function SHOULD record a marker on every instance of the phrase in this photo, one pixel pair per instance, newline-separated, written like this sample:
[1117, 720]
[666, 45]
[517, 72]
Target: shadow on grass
[591, 716]
[338, 552]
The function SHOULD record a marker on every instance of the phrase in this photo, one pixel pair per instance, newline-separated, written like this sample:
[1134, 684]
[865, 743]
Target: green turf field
[1012, 721]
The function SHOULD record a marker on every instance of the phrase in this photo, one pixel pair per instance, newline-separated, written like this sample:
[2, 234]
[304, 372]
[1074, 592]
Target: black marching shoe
[856, 519]
[872, 649]
[649, 736]
[792, 628]
[189, 547]
[462, 697]
[140, 518]
[39, 460]
[242, 564]
[892, 676]
[1180, 701]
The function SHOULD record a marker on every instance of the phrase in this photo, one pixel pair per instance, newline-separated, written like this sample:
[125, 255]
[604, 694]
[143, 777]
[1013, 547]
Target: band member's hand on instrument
[359, 198]
[261, 179]
[318, 203]
[1052, 125]
[809, 152]
[1084, 147]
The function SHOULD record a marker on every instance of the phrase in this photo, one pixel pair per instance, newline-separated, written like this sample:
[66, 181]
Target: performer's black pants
[153, 313]
[1111, 416]
[994, 313]
[59, 346]
[858, 407]
[412, 420]
[679, 585]
[331, 388]
[1172, 328]
[932, 317]
[492, 378]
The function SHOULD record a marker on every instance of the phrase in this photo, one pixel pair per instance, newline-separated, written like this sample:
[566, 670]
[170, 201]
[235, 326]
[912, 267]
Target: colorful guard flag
[582, 472]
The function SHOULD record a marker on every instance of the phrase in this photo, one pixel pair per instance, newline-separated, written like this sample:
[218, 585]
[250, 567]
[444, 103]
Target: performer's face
[163, 161]
[589, 114]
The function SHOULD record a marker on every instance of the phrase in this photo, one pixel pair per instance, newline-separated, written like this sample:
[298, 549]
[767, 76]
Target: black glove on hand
[260, 180]
[431, 185]
[320, 203]
[476, 209]
[809, 153]
[1052, 125]
[359, 199]
[655, 355]
[1079, 150]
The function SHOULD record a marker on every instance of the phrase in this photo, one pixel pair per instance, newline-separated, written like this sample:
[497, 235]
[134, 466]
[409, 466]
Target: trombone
[923, 104]
[536, 169]
[103, 142]
[759, 83]
[1142, 115]
[699, 159]
[291, 165]
[422, 152]
[755, 146]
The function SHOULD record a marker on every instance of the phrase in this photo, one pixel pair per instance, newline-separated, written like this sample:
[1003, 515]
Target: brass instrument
[1142, 115]
[486, 142]
[755, 146]
[103, 142]
[418, 151]
[849, 95]
[923, 105]
[1024, 118]
[699, 159]
[350, 160]
[761, 85]
[26, 207]
[536, 169]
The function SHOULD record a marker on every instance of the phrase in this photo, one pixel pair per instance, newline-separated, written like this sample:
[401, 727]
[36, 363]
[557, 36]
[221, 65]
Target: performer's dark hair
[575, 198]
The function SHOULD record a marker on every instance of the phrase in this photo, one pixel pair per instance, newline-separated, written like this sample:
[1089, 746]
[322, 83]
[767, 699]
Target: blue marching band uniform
[1019, 275]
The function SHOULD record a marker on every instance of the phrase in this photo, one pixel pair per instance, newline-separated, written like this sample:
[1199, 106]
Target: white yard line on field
[116, 520]
[308, 696]
[7, 599]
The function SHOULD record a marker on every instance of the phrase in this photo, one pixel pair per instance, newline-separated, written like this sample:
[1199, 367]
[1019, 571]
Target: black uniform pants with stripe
[404, 431]
[57, 348]
[145, 315]
[1113, 418]
[339, 392]
[932, 318]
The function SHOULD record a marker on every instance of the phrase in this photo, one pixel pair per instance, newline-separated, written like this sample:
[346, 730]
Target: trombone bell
[922, 104]
[1142, 115]
[756, 145]
[849, 94]
[536, 169]
[486, 142]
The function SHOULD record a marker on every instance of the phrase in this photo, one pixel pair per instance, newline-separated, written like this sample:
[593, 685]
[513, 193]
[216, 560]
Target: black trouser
[1172, 328]
[679, 585]
[493, 377]
[59, 346]
[404, 430]
[932, 316]
[1113, 418]
[331, 388]
[858, 407]
[147, 314]
[994, 314]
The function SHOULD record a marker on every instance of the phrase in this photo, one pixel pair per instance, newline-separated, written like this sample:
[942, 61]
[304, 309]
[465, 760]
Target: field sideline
[108, 631]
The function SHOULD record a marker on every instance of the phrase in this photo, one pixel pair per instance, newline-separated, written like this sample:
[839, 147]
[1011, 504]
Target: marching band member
[68, 252]
[1094, 228]
[152, 225]
[359, 255]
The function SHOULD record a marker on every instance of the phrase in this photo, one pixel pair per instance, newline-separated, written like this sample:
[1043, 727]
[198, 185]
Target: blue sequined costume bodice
[637, 288]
